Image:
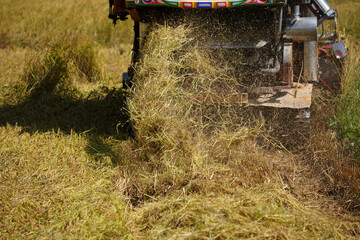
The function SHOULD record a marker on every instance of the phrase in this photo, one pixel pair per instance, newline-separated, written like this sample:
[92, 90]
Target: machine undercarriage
[274, 49]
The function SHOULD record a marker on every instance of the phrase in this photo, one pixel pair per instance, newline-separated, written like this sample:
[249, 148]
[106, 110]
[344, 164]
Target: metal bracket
[117, 10]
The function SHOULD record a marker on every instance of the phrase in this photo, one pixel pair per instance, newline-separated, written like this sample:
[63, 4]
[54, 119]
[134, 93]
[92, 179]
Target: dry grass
[69, 169]
[331, 159]
[55, 69]
[197, 174]
[38, 23]
[348, 21]
[176, 147]
[263, 212]
[12, 62]
[50, 189]
[29, 29]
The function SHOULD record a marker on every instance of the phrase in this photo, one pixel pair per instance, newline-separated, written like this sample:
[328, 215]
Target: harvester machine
[280, 47]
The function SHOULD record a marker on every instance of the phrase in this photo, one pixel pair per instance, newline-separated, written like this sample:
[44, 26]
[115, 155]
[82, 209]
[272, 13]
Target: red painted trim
[326, 85]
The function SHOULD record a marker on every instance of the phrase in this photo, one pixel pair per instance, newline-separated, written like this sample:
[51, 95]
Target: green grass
[71, 169]
[347, 118]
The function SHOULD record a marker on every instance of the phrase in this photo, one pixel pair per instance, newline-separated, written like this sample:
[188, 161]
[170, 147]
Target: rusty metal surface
[297, 97]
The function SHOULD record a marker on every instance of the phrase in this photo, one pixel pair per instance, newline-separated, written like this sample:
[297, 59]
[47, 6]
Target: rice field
[72, 167]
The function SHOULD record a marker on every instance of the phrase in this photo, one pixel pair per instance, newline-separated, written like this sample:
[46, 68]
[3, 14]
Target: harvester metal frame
[294, 47]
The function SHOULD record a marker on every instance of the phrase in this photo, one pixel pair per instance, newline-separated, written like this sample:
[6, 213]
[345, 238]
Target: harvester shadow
[97, 117]
[100, 150]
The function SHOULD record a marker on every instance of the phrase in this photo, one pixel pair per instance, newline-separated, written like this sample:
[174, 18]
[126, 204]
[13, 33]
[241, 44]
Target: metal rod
[280, 22]
[297, 11]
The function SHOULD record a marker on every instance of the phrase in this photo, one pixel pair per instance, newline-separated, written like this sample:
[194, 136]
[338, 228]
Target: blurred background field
[70, 168]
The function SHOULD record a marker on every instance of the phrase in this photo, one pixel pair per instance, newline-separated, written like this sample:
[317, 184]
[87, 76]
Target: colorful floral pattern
[197, 3]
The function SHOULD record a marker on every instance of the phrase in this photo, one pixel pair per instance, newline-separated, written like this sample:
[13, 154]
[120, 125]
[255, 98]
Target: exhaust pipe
[321, 9]
[301, 29]
[305, 29]
[325, 7]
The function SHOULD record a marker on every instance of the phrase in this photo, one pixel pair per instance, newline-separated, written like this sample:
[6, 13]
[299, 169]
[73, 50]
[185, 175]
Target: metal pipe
[325, 7]
[279, 33]
[297, 11]
[310, 61]
[323, 10]
[310, 57]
